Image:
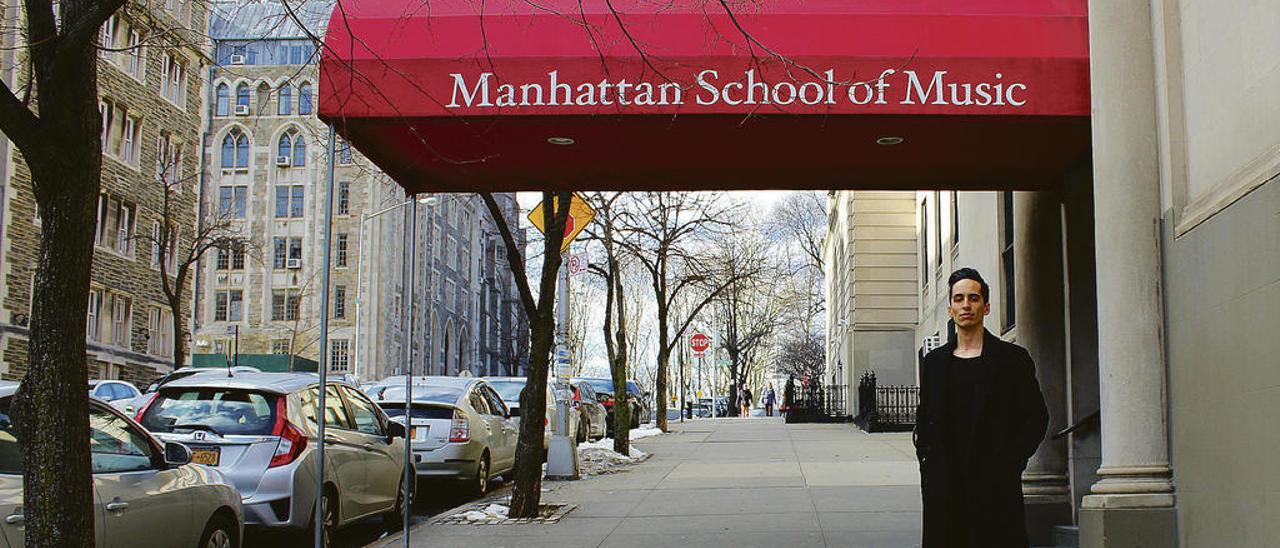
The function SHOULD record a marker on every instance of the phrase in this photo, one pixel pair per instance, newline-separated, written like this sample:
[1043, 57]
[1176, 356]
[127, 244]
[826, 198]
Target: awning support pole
[324, 340]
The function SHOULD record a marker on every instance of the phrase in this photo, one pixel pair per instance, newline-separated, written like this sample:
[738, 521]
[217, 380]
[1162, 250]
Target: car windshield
[425, 393]
[396, 411]
[604, 386]
[509, 391]
[222, 411]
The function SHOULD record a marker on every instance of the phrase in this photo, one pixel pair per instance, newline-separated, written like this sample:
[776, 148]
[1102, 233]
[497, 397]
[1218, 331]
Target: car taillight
[150, 399]
[292, 441]
[459, 429]
[607, 401]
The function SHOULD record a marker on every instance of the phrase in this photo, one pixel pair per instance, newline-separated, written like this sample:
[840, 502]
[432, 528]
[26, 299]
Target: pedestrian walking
[769, 398]
[981, 417]
[744, 401]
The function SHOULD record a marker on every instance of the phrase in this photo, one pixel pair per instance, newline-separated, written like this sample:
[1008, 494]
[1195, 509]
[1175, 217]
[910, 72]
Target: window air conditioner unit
[293, 264]
[242, 110]
[237, 59]
[282, 161]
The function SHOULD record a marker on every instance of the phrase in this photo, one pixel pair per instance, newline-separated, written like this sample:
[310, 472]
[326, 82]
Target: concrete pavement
[734, 483]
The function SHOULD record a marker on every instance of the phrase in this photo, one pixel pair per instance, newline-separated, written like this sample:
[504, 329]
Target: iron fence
[886, 408]
[814, 402]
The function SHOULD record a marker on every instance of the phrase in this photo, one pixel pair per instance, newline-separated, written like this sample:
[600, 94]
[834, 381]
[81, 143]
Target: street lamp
[427, 200]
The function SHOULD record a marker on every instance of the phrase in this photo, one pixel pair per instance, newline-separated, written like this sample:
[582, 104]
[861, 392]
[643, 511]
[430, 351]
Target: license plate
[208, 456]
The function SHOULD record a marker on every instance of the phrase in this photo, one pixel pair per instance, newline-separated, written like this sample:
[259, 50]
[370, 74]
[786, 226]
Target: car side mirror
[176, 454]
[395, 430]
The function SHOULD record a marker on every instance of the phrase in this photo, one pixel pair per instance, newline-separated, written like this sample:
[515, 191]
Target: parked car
[509, 389]
[140, 483]
[459, 428]
[260, 430]
[593, 415]
[604, 393]
[120, 394]
[131, 406]
[644, 407]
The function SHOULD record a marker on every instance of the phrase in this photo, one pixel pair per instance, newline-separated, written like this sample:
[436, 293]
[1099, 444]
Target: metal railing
[886, 408]
[814, 402]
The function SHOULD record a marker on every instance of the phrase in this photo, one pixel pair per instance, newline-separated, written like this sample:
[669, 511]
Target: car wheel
[329, 513]
[480, 485]
[395, 518]
[219, 533]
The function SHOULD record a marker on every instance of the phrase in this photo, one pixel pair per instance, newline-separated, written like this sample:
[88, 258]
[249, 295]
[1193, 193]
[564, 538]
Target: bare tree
[615, 313]
[662, 231]
[526, 493]
[802, 357]
[749, 310]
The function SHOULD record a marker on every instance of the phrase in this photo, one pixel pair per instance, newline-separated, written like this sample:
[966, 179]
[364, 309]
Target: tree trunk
[179, 341]
[52, 406]
[530, 454]
[660, 388]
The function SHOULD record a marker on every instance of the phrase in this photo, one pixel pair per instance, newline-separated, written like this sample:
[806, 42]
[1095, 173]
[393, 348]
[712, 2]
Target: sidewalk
[734, 483]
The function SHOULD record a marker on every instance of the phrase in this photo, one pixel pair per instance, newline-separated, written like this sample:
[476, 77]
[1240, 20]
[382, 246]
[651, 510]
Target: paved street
[734, 483]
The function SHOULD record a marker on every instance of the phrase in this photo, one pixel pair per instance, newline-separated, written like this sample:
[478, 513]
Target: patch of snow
[645, 432]
[488, 513]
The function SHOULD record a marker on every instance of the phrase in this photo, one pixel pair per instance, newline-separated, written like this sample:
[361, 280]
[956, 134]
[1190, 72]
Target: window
[235, 150]
[1006, 260]
[116, 445]
[304, 99]
[160, 331]
[285, 305]
[341, 252]
[223, 101]
[295, 248]
[292, 146]
[923, 237]
[121, 312]
[107, 35]
[231, 257]
[340, 301]
[232, 201]
[228, 305]
[278, 255]
[280, 346]
[93, 331]
[335, 413]
[170, 241]
[173, 80]
[344, 152]
[289, 201]
[344, 198]
[169, 160]
[339, 354]
[285, 105]
[363, 413]
[242, 96]
[295, 55]
[955, 220]
[107, 111]
[130, 141]
[115, 225]
[135, 65]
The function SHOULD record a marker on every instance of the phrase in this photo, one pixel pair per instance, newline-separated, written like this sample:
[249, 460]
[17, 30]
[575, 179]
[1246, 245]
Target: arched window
[284, 148]
[242, 95]
[235, 150]
[304, 99]
[223, 101]
[299, 150]
[285, 106]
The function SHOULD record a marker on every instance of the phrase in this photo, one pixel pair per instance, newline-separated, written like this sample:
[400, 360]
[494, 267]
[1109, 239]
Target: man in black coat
[981, 416]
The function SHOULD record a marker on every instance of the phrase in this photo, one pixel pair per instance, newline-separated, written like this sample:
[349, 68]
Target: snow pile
[489, 513]
[598, 457]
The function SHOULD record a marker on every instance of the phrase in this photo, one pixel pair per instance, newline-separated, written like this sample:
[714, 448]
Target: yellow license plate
[209, 457]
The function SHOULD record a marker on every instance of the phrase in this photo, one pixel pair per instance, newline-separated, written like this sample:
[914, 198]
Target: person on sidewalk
[981, 417]
[768, 398]
[744, 401]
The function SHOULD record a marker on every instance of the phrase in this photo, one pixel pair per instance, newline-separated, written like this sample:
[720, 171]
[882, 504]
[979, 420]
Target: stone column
[1040, 313]
[1132, 505]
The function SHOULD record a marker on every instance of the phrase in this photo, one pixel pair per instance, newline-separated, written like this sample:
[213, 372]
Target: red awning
[453, 95]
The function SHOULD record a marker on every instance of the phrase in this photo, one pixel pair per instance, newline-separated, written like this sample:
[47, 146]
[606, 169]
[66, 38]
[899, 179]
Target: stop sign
[699, 343]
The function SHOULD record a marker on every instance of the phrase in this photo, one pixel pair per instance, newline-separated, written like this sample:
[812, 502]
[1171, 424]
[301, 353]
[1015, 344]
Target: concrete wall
[890, 354]
[1222, 291]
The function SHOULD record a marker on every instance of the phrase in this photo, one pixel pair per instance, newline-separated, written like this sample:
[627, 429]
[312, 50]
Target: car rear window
[600, 385]
[223, 411]
[426, 393]
[419, 411]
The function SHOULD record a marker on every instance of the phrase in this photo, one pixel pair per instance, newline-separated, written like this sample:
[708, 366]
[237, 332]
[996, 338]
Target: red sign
[699, 343]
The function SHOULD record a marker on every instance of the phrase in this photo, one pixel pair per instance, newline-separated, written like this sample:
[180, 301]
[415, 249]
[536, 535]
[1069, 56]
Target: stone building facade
[152, 86]
[266, 172]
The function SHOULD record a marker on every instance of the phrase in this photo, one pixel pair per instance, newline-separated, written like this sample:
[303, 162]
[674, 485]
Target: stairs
[1064, 536]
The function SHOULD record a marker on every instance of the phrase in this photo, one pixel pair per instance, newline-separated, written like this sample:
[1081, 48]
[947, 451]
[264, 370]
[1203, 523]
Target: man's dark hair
[967, 273]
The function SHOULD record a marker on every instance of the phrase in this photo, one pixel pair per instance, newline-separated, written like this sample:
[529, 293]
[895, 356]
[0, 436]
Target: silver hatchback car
[260, 430]
[460, 429]
[144, 493]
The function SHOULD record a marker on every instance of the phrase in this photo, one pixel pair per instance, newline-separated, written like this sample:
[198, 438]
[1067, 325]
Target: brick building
[150, 78]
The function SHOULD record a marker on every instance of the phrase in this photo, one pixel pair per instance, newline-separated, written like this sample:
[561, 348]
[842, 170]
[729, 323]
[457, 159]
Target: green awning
[265, 362]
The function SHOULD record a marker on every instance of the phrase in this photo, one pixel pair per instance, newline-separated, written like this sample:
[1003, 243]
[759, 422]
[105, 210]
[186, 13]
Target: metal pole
[324, 340]
[355, 358]
[409, 468]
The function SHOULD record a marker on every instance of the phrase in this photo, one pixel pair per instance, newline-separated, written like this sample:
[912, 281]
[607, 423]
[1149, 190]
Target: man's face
[967, 307]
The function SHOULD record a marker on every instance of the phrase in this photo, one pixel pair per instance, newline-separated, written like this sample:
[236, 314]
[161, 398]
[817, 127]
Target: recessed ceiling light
[560, 141]
[889, 141]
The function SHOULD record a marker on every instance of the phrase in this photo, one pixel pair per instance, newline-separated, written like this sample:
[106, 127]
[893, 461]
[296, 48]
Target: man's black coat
[1009, 422]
